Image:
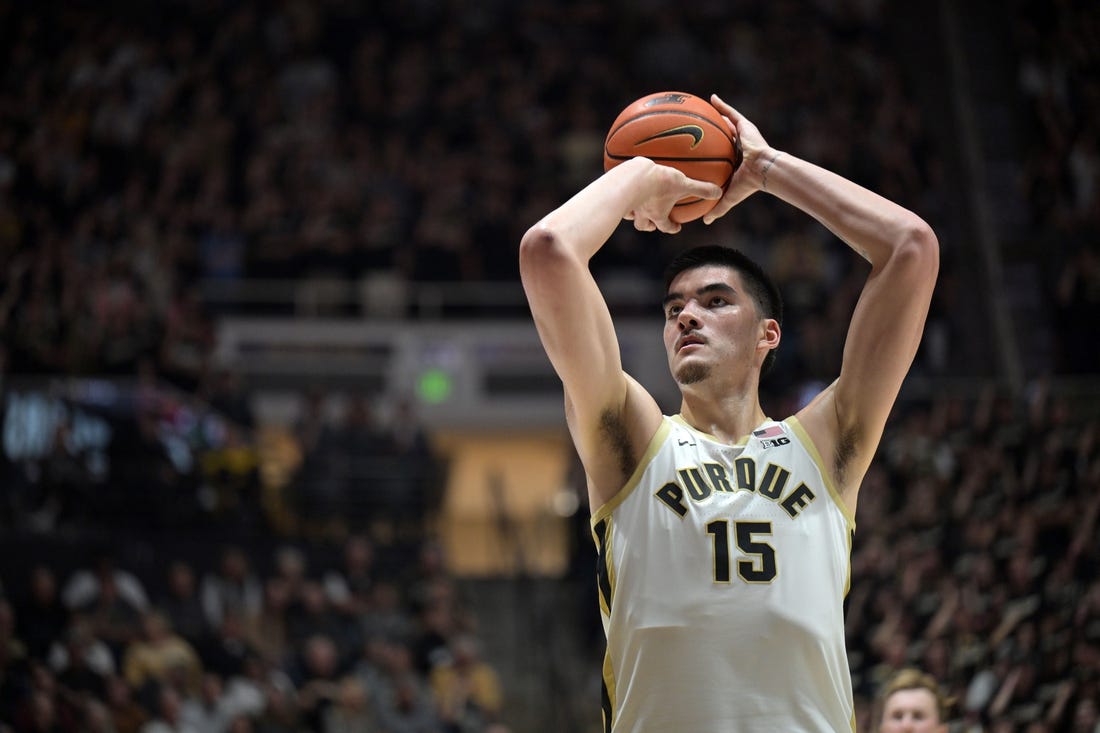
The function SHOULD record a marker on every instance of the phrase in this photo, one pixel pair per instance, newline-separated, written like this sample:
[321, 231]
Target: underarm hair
[614, 432]
[844, 453]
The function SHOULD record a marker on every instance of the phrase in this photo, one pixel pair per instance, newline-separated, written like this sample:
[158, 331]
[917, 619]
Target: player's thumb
[731, 199]
[705, 190]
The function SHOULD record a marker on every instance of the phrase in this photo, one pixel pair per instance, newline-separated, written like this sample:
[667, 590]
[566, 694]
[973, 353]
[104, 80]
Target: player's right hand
[660, 187]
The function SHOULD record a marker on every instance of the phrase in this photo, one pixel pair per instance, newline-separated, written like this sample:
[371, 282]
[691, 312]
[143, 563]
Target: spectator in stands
[281, 713]
[244, 693]
[86, 586]
[1077, 308]
[313, 616]
[231, 470]
[233, 587]
[351, 711]
[41, 715]
[429, 579]
[349, 587]
[181, 603]
[43, 617]
[225, 391]
[385, 664]
[316, 675]
[267, 632]
[188, 340]
[913, 703]
[421, 489]
[114, 619]
[290, 569]
[82, 662]
[66, 482]
[13, 653]
[127, 714]
[466, 687]
[162, 657]
[323, 479]
[409, 708]
[386, 616]
[169, 717]
[206, 710]
[226, 651]
[436, 627]
[97, 717]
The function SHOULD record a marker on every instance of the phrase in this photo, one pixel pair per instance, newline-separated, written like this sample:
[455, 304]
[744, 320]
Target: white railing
[467, 373]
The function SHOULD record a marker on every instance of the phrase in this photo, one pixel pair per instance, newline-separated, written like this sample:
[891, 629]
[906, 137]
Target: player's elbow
[541, 252]
[537, 243]
[918, 252]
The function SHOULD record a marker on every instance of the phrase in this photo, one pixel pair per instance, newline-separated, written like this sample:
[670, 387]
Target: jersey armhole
[826, 477]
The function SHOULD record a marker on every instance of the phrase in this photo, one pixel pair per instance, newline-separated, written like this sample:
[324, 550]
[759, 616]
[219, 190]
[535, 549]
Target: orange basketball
[679, 130]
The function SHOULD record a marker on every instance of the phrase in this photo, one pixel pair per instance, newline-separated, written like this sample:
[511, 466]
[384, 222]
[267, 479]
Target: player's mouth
[689, 339]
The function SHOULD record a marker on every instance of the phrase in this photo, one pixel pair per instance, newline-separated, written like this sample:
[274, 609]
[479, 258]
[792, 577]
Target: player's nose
[687, 320]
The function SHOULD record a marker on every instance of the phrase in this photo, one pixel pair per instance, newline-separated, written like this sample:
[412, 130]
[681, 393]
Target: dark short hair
[764, 293]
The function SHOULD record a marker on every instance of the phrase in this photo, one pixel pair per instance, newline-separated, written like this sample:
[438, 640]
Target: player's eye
[718, 300]
[673, 311]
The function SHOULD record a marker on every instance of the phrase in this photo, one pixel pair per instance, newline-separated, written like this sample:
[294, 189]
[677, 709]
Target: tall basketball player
[724, 535]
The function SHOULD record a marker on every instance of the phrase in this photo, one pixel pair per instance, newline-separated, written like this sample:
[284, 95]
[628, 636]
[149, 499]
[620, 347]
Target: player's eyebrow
[711, 288]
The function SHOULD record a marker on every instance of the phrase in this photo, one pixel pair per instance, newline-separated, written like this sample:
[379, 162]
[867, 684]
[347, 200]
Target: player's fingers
[725, 108]
[644, 225]
[704, 190]
[723, 207]
[716, 213]
[668, 226]
[630, 216]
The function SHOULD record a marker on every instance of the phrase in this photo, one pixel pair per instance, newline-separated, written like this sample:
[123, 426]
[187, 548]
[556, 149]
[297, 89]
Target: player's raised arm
[573, 320]
[847, 419]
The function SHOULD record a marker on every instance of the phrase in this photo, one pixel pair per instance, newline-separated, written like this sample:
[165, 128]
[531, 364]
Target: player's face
[710, 321]
[911, 711]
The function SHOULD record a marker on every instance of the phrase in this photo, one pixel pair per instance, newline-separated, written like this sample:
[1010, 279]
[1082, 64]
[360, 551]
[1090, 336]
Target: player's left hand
[755, 153]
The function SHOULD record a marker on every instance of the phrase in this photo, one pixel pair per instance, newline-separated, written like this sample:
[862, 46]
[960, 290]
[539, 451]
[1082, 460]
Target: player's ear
[769, 333]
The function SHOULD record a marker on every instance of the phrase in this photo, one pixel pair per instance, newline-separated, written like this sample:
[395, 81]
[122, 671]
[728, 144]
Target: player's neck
[729, 419]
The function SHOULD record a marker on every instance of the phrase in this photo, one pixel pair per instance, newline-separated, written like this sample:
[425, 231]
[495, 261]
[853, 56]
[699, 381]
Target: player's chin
[691, 372]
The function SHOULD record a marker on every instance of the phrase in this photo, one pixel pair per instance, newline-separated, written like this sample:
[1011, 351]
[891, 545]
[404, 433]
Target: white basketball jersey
[722, 576]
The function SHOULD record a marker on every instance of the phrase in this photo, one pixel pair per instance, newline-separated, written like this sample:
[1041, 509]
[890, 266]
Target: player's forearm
[873, 226]
[587, 220]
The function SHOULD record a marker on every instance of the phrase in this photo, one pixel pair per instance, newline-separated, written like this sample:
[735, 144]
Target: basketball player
[724, 535]
[913, 703]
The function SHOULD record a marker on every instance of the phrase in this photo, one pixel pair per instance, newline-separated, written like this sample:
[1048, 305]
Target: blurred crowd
[368, 643]
[360, 470]
[86, 454]
[164, 151]
[1059, 82]
[977, 558]
[149, 153]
